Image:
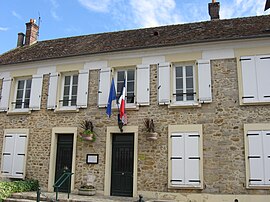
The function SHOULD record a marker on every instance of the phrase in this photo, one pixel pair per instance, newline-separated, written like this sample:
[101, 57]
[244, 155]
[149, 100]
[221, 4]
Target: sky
[65, 18]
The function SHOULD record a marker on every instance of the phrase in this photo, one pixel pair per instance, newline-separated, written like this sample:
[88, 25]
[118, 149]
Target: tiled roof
[217, 30]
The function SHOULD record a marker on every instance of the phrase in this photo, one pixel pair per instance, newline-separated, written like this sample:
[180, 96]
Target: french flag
[122, 102]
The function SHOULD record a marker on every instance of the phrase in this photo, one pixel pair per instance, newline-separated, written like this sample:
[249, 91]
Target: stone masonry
[223, 135]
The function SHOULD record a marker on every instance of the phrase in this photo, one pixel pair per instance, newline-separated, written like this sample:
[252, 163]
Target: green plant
[87, 125]
[7, 188]
[88, 133]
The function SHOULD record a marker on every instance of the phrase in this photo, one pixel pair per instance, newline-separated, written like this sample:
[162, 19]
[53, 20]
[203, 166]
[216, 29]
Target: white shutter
[7, 161]
[104, 87]
[249, 79]
[164, 83]
[266, 147]
[192, 159]
[177, 159]
[82, 96]
[36, 90]
[4, 102]
[204, 81]
[18, 170]
[263, 79]
[255, 157]
[143, 85]
[52, 93]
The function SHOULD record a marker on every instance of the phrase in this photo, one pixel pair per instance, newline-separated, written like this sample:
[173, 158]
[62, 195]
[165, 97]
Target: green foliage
[7, 188]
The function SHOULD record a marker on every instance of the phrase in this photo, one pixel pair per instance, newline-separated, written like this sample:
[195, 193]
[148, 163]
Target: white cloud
[94, 5]
[3, 29]
[15, 14]
[241, 8]
[149, 13]
[54, 14]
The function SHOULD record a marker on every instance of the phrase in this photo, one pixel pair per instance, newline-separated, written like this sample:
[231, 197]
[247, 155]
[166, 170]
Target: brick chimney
[20, 39]
[31, 32]
[213, 9]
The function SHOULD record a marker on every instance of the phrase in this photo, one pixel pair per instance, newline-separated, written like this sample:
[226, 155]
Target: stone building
[205, 85]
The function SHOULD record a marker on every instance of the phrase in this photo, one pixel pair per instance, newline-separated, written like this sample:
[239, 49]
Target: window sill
[254, 103]
[128, 108]
[66, 110]
[19, 112]
[172, 187]
[258, 187]
[184, 105]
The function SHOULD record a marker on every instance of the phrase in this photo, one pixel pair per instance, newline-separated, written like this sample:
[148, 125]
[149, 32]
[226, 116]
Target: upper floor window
[255, 79]
[23, 93]
[70, 88]
[73, 88]
[137, 83]
[186, 83]
[127, 78]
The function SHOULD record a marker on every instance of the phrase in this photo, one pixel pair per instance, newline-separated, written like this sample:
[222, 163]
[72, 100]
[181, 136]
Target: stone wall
[223, 138]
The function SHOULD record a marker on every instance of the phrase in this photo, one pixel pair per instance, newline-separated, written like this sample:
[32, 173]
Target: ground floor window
[185, 156]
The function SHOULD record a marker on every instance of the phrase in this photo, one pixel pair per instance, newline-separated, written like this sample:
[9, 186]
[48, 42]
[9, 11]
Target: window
[73, 90]
[70, 87]
[23, 93]
[185, 156]
[14, 153]
[127, 78]
[258, 157]
[137, 93]
[255, 79]
[185, 83]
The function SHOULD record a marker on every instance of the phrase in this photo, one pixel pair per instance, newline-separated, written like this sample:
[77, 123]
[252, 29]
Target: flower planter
[152, 136]
[87, 137]
[87, 191]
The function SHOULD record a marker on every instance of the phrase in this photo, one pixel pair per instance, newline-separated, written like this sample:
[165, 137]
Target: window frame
[15, 87]
[125, 69]
[256, 128]
[62, 85]
[16, 132]
[184, 102]
[196, 128]
[257, 100]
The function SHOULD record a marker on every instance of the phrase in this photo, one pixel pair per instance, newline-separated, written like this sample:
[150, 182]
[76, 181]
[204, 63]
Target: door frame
[55, 132]
[108, 161]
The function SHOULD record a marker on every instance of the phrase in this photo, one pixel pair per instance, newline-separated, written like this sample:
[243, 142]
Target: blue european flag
[112, 96]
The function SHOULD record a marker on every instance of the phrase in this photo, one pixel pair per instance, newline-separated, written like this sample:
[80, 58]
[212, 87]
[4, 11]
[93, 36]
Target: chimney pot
[31, 34]
[20, 39]
[213, 9]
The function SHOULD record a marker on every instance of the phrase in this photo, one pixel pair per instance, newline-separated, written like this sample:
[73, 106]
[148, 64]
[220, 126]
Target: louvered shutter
[8, 153]
[19, 156]
[143, 84]
[36, 90]
[4, 102]
[192, 159]
[164, 83]
[255, 157]
[177, 159]
[104, 86]
[250, 93]
[266, 147]
[263, 77]
[204, 81]
[52, 93]
[82, 96]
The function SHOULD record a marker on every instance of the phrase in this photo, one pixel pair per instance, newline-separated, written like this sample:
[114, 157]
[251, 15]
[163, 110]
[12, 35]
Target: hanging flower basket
[88, 133]
[152, 136]
[150, 128]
